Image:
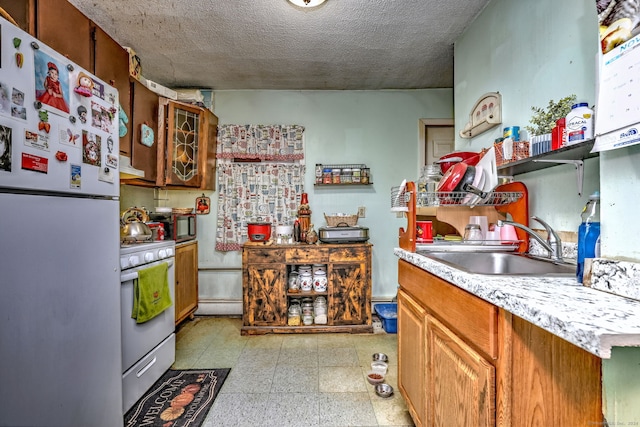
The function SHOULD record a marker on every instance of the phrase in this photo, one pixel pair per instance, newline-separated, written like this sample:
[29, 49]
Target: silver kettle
[133, 227]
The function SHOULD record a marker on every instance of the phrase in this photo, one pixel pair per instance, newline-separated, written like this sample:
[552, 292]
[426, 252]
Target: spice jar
[355, 175]
[335, 176]
[345, 176]
[318, 174]
[364, 176]
[326, 176]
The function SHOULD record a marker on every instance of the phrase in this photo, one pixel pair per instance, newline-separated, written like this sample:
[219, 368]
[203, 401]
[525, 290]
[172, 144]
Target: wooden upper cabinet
[145, 105]
[58, 24]
[209, 172]
[22, 12]
[186, 157]
[66, 30]
[112, 66]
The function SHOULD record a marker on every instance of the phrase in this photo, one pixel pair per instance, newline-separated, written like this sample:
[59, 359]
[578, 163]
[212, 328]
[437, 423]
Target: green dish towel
[151, 295]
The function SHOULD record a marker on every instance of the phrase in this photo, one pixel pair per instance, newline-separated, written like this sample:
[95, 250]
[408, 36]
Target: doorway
[437, 138]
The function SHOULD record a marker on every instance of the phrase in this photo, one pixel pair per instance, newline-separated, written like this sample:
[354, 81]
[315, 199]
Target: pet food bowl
[383, 390]
[379, 367]
[380, 357]
[375, 377]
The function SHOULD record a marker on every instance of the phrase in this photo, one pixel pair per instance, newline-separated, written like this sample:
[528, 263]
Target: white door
[439, 140]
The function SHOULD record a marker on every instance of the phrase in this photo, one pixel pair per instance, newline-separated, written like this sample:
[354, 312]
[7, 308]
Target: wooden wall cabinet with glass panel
[186, 146]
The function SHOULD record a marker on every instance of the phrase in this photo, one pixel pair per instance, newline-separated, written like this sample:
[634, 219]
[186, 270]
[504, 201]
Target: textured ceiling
[271, 44]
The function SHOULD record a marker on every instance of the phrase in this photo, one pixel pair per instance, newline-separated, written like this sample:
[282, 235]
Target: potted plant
[544, 119]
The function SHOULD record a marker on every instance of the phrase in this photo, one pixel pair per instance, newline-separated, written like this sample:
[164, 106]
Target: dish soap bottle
[588, 233]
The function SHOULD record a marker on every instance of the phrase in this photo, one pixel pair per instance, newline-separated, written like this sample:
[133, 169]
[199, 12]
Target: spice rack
[342, 174]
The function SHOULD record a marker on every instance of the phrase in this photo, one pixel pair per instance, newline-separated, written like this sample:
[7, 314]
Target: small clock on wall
[486, 114]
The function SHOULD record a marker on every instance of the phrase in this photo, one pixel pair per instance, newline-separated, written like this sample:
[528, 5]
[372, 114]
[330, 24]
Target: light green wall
[378, 128]
[532, 52]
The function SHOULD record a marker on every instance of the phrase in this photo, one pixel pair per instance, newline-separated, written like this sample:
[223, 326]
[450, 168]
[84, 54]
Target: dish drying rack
[495, 205]
[400, 197]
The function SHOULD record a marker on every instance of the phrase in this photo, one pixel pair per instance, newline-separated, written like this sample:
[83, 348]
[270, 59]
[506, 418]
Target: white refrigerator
[60, 346]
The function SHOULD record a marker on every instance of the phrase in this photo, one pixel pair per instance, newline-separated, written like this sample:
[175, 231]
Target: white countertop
[590, 319]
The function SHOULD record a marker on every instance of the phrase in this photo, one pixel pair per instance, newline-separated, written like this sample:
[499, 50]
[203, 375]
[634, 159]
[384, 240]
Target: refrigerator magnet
[35, 163]
[146, 135]
[203, 205]
[75, 176]
[105, 174]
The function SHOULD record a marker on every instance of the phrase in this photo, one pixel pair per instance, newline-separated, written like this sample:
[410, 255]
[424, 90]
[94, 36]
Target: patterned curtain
[265, 191]
[264, 142]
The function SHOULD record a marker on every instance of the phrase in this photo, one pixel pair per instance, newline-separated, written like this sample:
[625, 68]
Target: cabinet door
[66, 30]
[412, 355]
[209, 154]
[264, 296]
[186, 297]
[112, 66]
[21, 11]
[349, 294]
[144, 111]
[184, 135]
[460, 382]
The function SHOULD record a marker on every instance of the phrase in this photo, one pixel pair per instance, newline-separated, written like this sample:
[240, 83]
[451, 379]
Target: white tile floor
[296, 380]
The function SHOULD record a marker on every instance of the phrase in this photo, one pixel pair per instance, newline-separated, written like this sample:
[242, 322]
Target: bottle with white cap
[579, 124]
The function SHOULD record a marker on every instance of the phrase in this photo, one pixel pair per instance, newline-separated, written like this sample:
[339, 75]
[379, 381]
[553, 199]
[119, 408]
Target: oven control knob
[169, 252]
[162, 254]
[133, 260]
[148, 257]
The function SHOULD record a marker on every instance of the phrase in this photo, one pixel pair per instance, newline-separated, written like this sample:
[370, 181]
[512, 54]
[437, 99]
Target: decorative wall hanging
[485, 114]
[203, 205]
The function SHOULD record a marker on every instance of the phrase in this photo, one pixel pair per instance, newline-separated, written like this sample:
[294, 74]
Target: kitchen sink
[502, 263]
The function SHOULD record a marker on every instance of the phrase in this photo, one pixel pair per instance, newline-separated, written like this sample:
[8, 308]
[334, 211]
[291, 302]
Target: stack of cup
[508, 234]
[493, 235]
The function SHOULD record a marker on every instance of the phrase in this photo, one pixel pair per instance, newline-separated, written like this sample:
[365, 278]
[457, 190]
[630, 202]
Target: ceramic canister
[306, 281]
[320, 281]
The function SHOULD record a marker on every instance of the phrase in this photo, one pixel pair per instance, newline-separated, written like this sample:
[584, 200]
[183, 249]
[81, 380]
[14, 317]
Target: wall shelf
[579, 151]
[572, 154]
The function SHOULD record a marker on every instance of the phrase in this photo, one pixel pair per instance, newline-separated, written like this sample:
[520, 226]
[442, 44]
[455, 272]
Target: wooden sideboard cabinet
[186, 297]
[465, 362]
[266, 297]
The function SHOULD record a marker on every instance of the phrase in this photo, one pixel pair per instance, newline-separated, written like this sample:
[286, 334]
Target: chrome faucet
[553, 244]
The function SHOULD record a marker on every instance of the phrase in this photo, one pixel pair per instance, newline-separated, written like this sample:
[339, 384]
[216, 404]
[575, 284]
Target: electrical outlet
[362, 212]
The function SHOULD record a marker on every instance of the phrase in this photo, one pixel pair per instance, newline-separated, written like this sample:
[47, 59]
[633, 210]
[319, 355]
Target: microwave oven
[178, 227]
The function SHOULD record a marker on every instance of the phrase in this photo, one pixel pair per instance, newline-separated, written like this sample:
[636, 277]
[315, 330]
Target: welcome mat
[178, 399]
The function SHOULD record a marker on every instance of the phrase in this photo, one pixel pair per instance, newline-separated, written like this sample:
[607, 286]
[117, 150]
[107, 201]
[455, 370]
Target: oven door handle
[127, 277]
